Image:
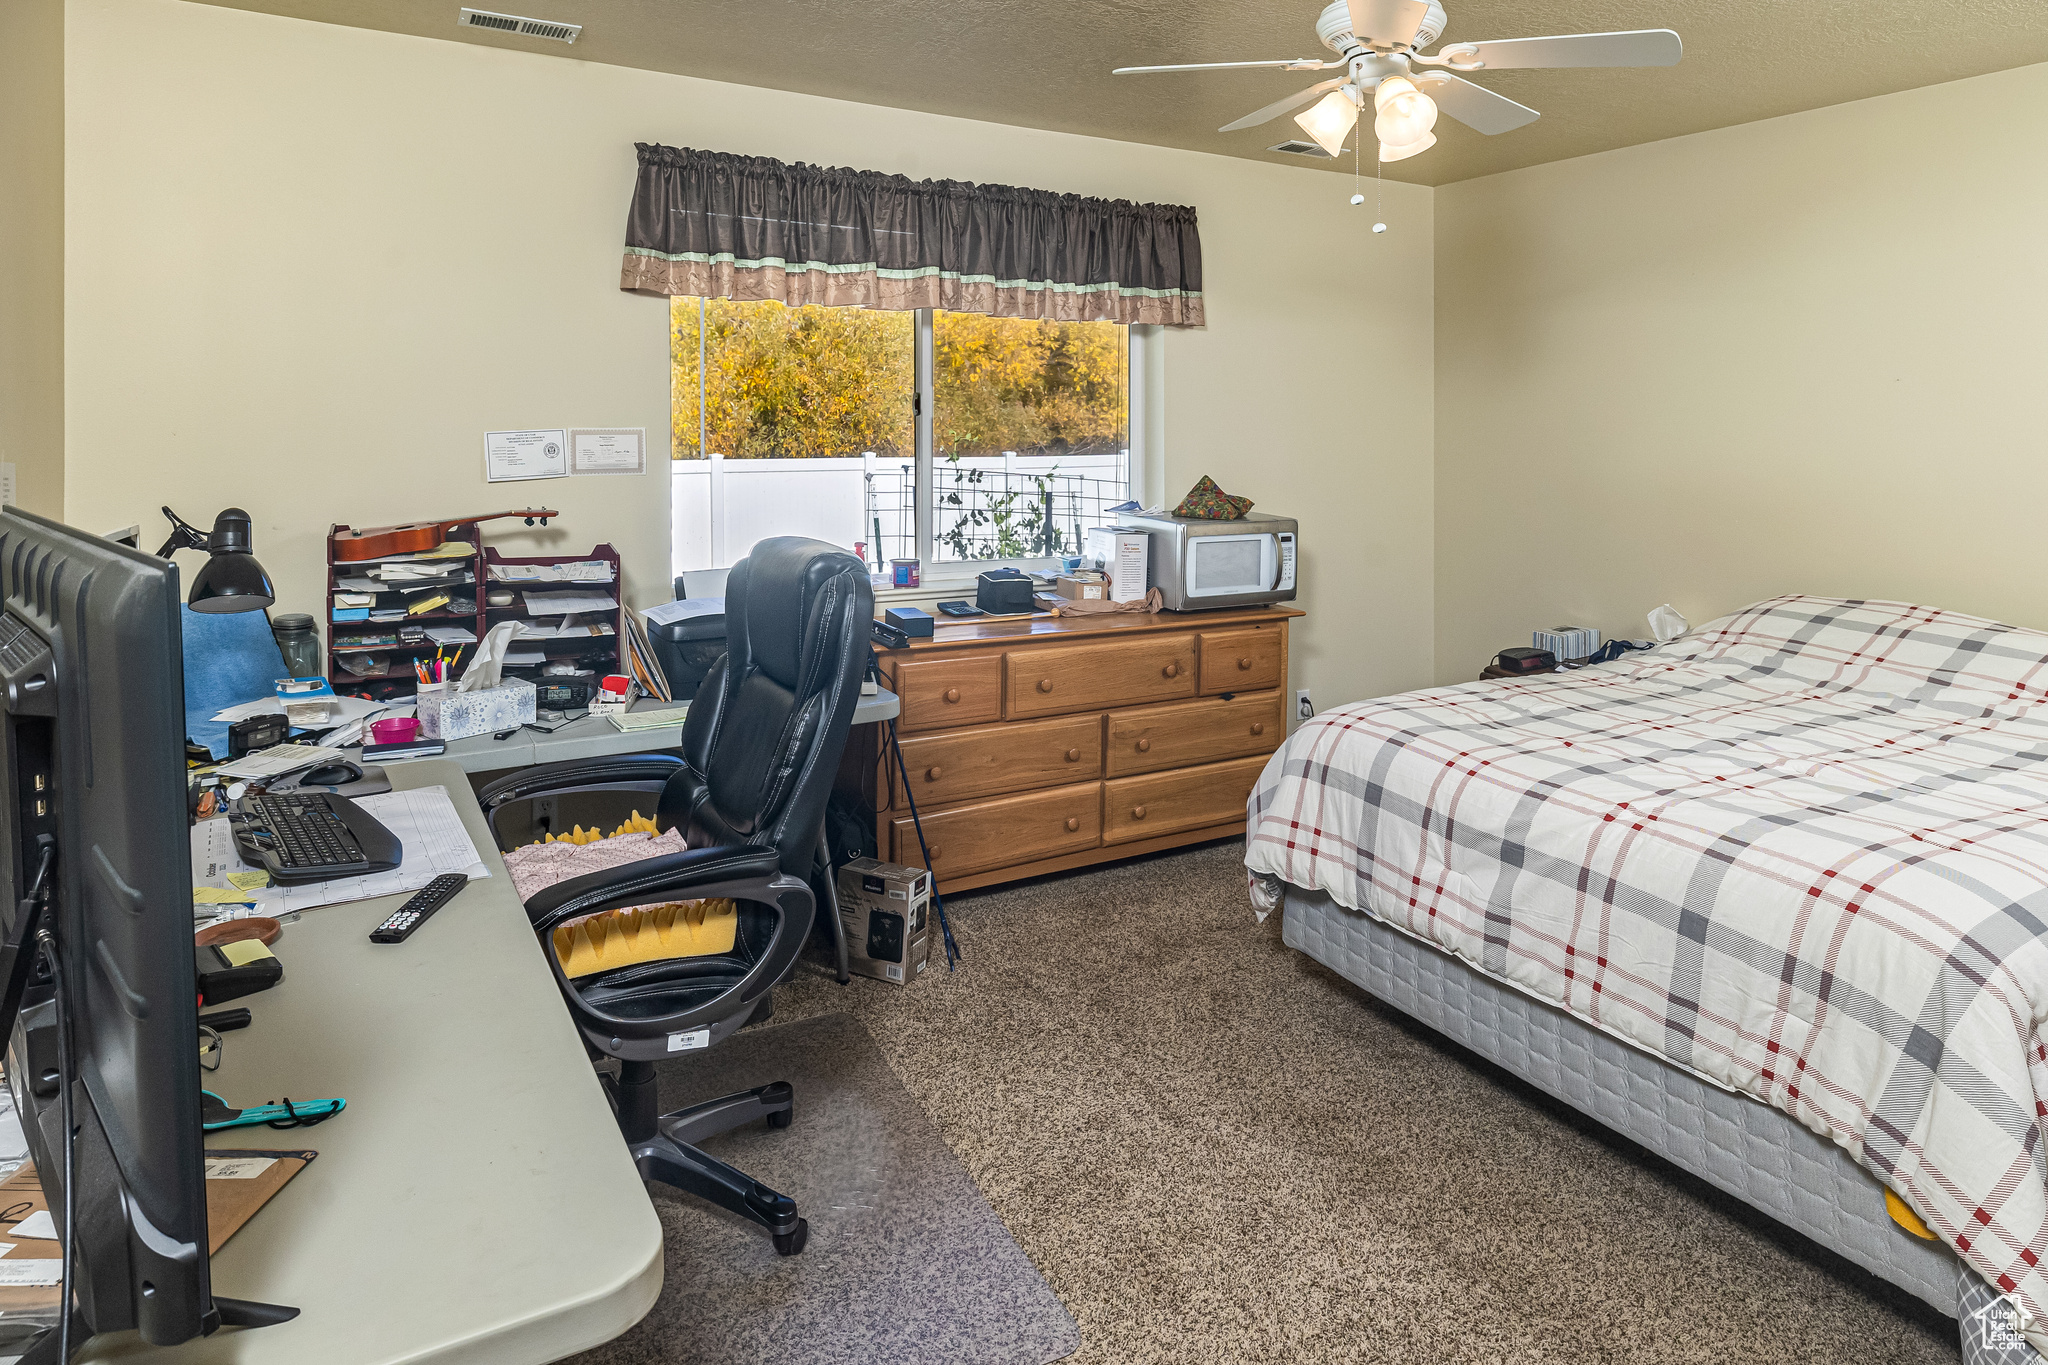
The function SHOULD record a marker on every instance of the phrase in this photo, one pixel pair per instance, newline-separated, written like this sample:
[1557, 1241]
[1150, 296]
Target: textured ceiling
[1046, 63]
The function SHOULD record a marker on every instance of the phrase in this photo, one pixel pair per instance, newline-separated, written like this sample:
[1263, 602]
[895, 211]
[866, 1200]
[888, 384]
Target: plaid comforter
[1802, 850]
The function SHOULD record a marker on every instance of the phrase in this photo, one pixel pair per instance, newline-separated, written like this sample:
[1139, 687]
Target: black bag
[1004, 592]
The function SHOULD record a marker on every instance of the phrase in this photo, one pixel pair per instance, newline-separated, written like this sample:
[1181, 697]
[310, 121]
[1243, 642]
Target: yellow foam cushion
[636, 823]
[1905, 1217]
[646, 933]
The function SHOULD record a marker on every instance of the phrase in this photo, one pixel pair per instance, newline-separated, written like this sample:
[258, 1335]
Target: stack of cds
[1568, 642]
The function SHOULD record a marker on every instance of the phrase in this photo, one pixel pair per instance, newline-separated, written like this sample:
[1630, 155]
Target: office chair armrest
[620, 772]
[672, 876]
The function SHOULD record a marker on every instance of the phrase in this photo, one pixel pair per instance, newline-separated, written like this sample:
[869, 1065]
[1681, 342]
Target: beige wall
[312, 265]
[1804, 355]
[32, 250]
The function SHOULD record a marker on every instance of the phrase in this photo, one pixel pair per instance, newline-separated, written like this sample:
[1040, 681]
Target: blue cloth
[230, 657]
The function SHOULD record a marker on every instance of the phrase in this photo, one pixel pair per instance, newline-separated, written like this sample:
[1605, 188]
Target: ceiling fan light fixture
[1402, 151]
[1330, 120]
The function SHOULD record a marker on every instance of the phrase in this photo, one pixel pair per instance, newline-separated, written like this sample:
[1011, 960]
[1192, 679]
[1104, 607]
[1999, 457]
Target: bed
[1770, 899]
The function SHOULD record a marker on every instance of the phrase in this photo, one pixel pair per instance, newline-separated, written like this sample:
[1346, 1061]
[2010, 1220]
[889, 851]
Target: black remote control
[416, 911]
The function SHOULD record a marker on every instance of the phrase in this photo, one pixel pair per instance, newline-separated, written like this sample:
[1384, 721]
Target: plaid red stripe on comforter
[1802, 850]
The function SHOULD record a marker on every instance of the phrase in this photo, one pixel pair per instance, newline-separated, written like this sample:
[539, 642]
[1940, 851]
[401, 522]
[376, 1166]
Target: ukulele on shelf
[378, 541]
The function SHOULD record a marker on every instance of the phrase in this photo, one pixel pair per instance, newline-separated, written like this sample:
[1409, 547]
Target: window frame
[1144, 438]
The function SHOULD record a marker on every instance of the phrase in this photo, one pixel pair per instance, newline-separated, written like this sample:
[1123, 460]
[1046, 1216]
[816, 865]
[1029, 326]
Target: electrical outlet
[1304, 709]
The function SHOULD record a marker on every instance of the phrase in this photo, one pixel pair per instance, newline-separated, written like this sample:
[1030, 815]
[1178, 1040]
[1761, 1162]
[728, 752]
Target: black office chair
[760, 749]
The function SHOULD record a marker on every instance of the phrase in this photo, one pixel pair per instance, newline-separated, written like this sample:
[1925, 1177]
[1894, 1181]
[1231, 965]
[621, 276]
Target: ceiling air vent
[526, 28]
[1300, 148]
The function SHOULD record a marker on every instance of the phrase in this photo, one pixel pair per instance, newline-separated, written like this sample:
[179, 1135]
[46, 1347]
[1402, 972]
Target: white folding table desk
[474, 1204]
[596, 737]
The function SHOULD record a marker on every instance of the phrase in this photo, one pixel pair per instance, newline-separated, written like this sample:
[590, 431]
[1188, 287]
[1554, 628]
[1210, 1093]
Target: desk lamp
[231, 579]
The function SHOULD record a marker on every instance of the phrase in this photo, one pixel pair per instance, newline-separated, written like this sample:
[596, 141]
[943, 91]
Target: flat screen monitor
[92, 817]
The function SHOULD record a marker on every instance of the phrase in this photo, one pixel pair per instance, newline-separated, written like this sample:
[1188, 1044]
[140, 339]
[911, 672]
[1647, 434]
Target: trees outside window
[1028, 440]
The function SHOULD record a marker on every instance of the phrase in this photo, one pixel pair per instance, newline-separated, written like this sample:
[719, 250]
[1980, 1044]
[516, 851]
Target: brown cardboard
[1074, 589]
[886, 911]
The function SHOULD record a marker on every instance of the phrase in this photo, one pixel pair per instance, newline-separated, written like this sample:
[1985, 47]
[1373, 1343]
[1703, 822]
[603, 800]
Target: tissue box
[458, 715]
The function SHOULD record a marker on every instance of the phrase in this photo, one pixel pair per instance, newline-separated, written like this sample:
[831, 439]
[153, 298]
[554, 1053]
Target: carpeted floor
[1216, 1150]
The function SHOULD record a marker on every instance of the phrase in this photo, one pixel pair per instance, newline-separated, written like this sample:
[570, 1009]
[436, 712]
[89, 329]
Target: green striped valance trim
[919, 273]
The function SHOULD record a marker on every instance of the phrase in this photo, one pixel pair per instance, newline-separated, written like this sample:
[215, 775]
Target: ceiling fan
[1379, 44]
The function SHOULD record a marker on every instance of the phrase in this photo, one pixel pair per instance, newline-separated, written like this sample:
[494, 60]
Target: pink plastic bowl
[396, 730]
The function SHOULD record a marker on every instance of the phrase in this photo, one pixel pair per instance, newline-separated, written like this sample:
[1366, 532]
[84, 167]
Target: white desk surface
[596, 737]
[474, 1203]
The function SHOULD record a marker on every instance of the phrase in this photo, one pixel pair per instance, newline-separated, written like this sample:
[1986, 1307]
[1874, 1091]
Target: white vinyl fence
[720, 507]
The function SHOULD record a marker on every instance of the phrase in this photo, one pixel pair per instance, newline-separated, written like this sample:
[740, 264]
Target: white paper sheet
[451, 635]
[340, 710]
[684, 609]
[525, 658]
[526, 455]
[569, 603]
[20, 1274]
[38, 1225]
[615, 450]
[238, 1167]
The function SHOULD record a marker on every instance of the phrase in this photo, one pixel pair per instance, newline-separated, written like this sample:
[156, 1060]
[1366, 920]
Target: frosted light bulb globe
[1404, 151]
[1357, 199]
[1379, 227]
[1329, 119]
[1405, 119]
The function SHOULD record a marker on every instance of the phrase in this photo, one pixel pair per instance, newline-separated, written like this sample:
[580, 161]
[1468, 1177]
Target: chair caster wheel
[782, 1118]
[792, 1243]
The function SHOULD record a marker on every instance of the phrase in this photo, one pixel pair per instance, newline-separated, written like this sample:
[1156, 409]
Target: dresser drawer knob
[1073, 823]
[934, 774]
[1137, 812]
[1073, 755]
[932, 851]
[1244, 663]
[1144, 746]
[1258, 727]
[1170, 671]
[952, 694]
[1045, 684]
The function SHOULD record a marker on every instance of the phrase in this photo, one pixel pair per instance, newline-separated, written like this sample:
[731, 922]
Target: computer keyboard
[311, 837]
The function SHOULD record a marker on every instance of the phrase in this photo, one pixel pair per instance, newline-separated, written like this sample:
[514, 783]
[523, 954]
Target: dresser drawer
[1240, 660]
[1188, 798]
[1183, 733]
[1046, 682]
[1009, 829]
[961, 764]
[943, 692]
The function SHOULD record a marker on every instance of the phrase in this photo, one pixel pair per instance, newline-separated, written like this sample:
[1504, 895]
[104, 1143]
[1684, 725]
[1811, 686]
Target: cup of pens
[438, 671]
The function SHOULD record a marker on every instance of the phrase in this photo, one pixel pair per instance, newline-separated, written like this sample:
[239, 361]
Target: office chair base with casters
[663, 1148]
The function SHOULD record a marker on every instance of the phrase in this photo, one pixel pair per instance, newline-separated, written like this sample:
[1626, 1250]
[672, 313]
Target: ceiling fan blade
[1298, 64]
[1474, 105]
[1390, 23]
[1279, 107]
[1642, 47]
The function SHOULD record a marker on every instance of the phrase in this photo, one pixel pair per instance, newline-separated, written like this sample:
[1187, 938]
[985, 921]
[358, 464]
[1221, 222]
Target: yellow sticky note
[218, 895]
[249, 881]
[242, 952]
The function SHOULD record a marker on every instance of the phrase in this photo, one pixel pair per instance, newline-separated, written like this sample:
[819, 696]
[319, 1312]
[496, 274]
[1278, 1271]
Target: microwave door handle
[1279, 564]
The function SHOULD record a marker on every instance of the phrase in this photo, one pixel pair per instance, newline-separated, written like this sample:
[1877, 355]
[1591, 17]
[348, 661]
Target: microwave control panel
[1286, 539]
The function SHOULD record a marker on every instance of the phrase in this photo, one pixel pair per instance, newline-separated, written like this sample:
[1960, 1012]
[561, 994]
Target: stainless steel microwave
[1198, 563]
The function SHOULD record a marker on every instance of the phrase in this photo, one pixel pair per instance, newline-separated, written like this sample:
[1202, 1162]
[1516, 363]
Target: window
[806, 421]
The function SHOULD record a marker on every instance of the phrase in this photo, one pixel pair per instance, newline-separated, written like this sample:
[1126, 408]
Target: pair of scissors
[215, 1112]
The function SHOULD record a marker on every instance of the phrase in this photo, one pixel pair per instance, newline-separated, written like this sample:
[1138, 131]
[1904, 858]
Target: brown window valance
[748, 227]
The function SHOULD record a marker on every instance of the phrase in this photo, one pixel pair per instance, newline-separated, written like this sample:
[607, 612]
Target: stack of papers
[568, 626]
[568, 603]
[277, 760]
[583, 571]
[451, 635]
[647, 720]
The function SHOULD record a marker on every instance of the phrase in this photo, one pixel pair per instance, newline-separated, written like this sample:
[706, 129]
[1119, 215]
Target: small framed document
[608, 450]
[512, 455]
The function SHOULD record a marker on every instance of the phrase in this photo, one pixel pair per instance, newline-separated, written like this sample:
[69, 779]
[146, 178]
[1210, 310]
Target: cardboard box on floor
[887, 913]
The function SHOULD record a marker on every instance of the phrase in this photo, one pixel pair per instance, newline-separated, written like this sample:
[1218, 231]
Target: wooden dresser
[1040, 744]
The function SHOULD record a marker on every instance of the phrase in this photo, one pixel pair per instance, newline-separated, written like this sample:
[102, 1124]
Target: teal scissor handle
[216, 1113]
